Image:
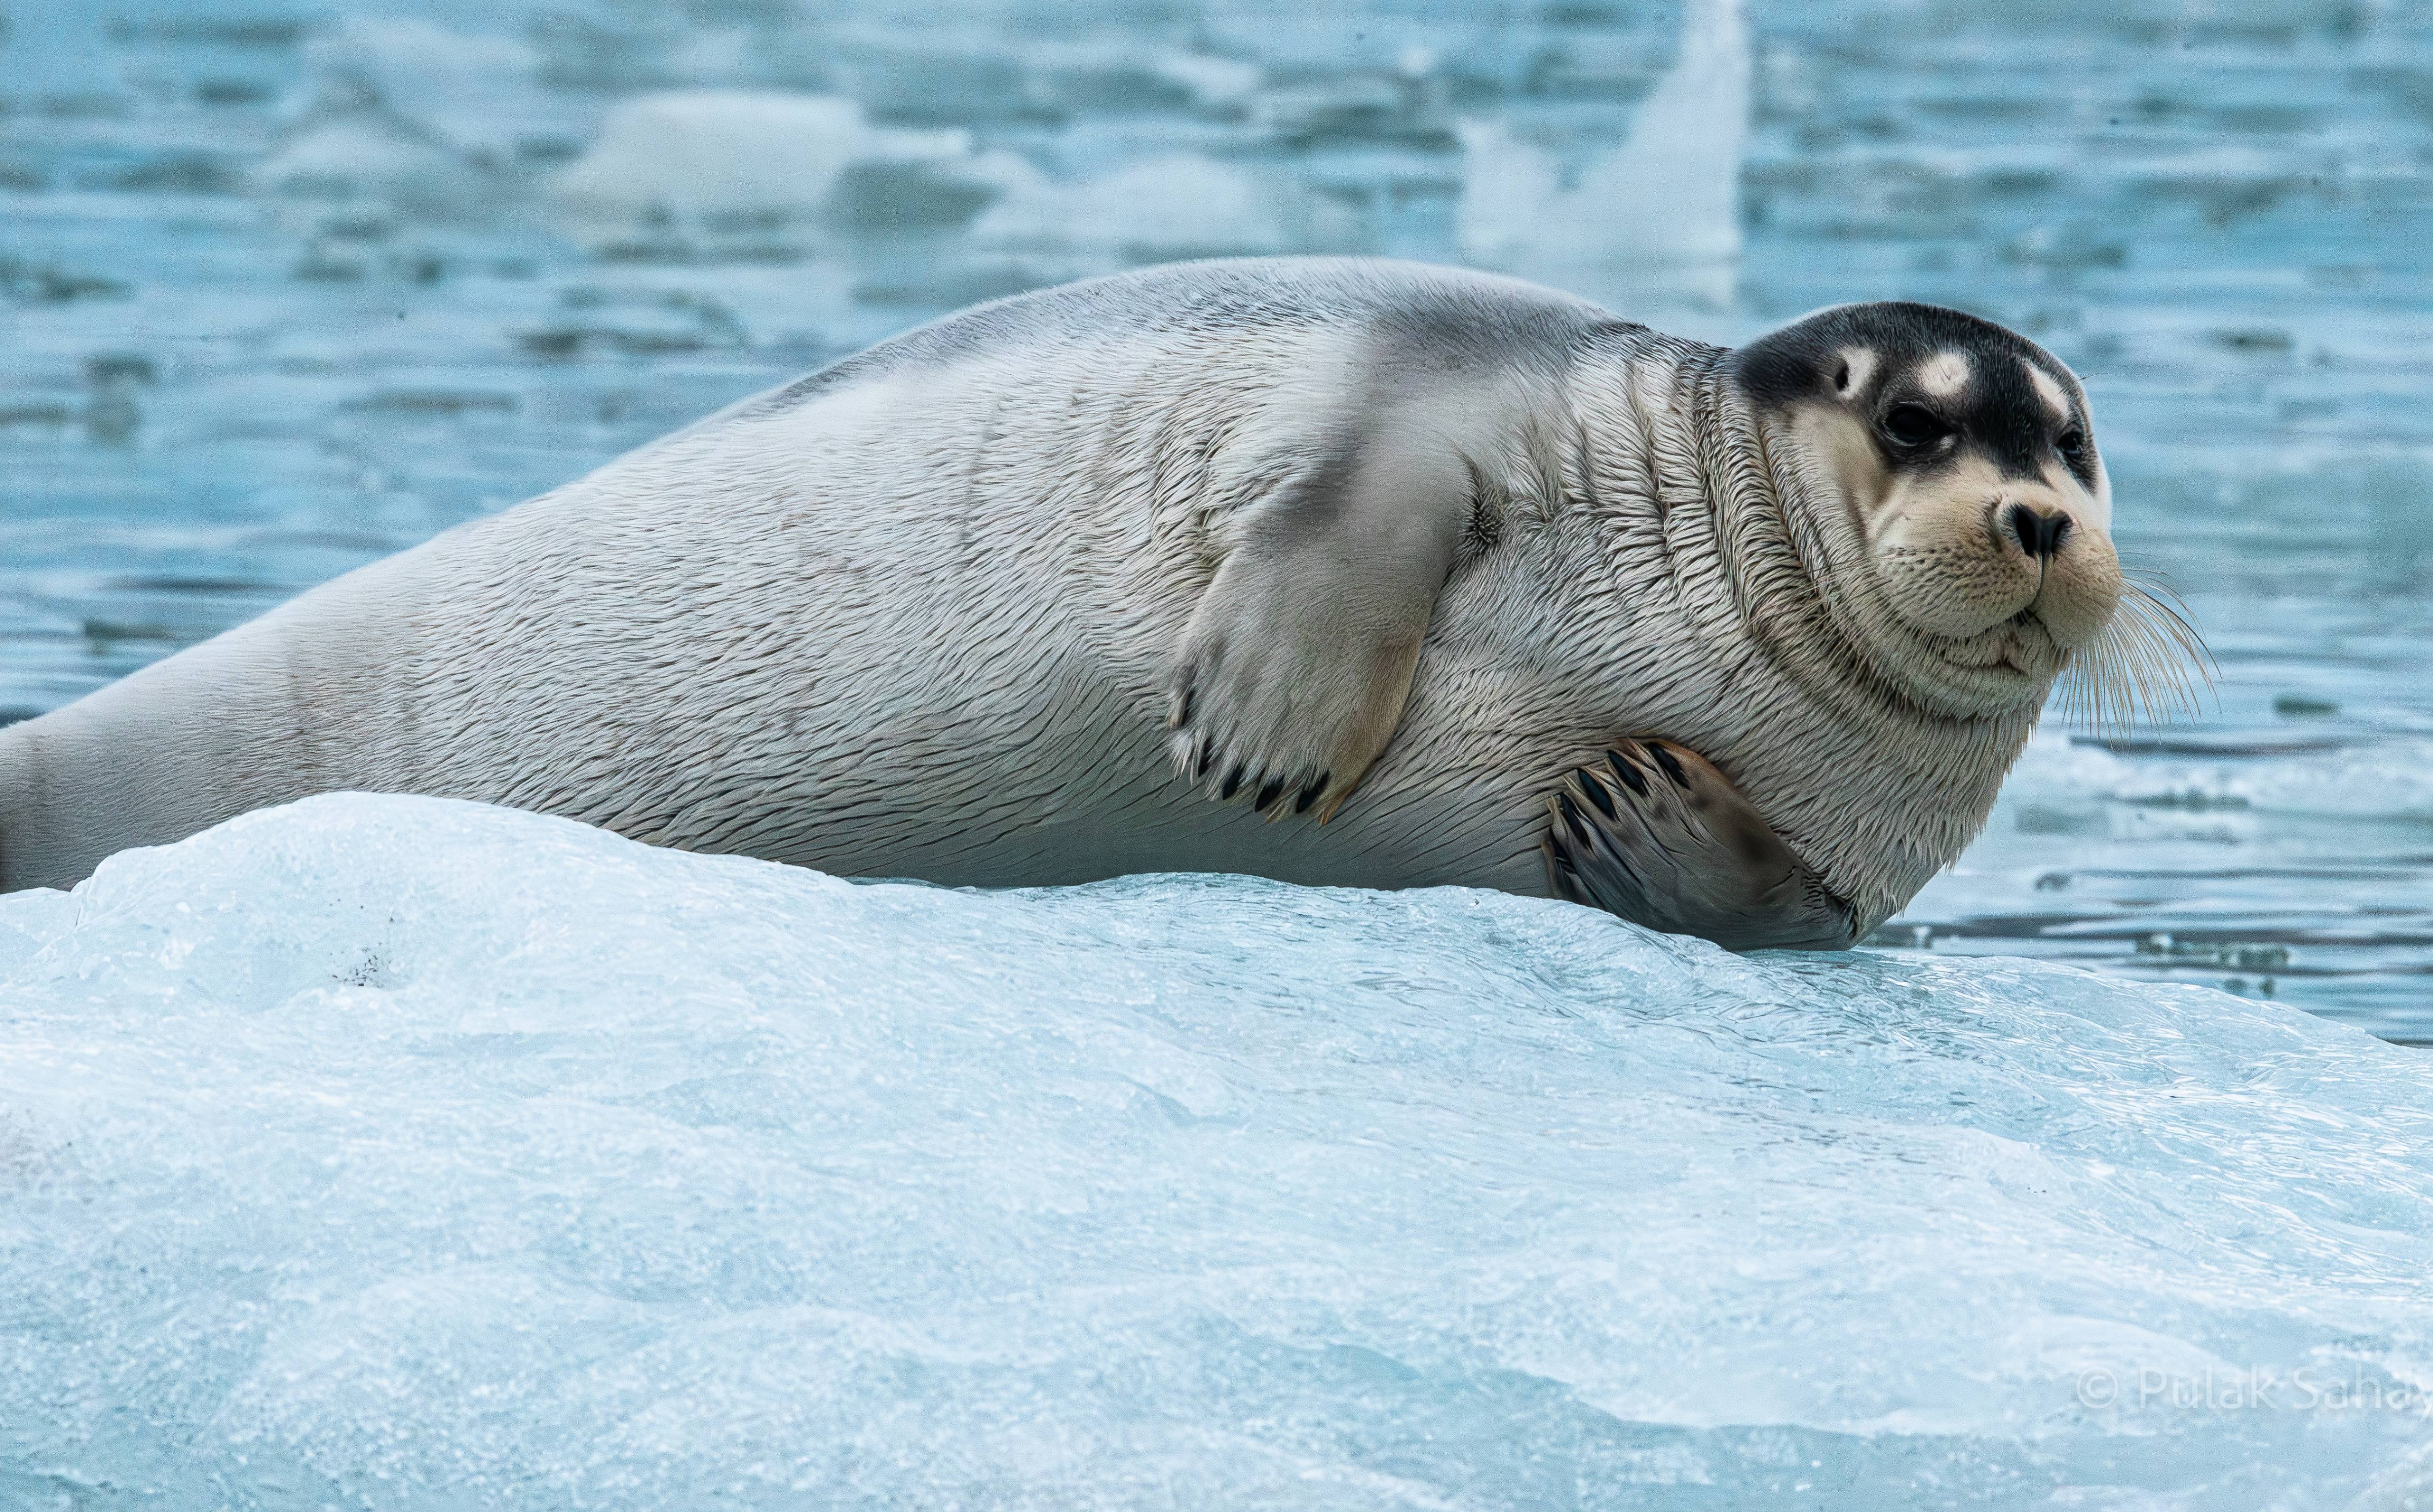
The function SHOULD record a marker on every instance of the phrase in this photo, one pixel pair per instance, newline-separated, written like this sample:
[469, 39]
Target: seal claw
[1572, 817]
[1690, 855]
[1631, 776]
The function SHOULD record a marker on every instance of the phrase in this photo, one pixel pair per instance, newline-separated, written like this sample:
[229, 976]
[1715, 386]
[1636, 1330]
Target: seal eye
[2071, 444]
[1911, 426]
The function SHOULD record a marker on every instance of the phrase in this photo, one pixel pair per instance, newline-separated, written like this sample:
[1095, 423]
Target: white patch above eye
[1858, 365]
[2047, 390]
[1944, 374]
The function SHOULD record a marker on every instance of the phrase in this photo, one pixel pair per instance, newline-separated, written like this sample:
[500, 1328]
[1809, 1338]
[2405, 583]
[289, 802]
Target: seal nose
[2039, 531]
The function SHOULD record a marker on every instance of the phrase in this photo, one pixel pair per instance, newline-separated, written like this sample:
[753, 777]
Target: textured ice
[393, 1153]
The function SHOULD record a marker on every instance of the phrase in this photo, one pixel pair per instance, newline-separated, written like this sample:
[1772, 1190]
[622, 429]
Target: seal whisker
[2149, 666]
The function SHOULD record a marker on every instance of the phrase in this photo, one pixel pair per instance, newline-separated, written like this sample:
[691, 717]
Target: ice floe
[1175, 205]
[396, 1153]
[709, 162]
[1656, 217]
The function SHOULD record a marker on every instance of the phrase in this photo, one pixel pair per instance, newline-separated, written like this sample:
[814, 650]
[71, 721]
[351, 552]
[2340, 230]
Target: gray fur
[936, 611]
[1421, 318]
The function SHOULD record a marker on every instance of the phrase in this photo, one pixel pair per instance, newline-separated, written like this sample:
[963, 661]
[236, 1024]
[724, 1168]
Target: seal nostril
[2039, 533]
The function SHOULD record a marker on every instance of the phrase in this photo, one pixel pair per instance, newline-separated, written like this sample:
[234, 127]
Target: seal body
[959, 607]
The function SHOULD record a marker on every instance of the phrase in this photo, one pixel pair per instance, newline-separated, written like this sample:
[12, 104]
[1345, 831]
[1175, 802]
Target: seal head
[1970, 554]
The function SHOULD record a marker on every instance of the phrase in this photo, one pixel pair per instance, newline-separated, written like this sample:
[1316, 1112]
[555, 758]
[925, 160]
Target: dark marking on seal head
[1931, 384]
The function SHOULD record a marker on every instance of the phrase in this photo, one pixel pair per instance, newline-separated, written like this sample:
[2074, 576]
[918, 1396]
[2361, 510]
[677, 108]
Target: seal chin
[1998, 670]
[2022, 646]
[1974, 668]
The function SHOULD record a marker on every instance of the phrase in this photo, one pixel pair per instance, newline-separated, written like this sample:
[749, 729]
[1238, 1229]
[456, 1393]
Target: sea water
[385, 1153]
[284, 290]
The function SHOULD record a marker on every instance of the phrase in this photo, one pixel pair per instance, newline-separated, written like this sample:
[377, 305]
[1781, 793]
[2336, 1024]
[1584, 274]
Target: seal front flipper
[1656, 834]
[1294, 666]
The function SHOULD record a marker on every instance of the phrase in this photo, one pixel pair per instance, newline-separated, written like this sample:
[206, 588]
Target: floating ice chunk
[364, 160]
[2388, 779]
[481, 87]
[1215, 81]
[393, 1153]
[1174, 206]
[1105, 73]
[713, 158]
[1658, 215]
[353, 154]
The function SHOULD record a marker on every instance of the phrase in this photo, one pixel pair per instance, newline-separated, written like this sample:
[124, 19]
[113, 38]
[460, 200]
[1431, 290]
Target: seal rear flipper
[1298, 660]
[1657, 836]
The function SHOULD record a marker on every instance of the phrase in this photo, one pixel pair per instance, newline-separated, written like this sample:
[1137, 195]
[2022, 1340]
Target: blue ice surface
[378, 1152]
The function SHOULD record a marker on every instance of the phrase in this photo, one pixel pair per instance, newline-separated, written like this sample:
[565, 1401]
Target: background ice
[393, 1153]
[1658, 212]
[752, 159]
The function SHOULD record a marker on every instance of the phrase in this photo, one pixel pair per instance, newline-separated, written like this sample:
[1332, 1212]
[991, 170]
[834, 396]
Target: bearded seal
[1340, 571]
